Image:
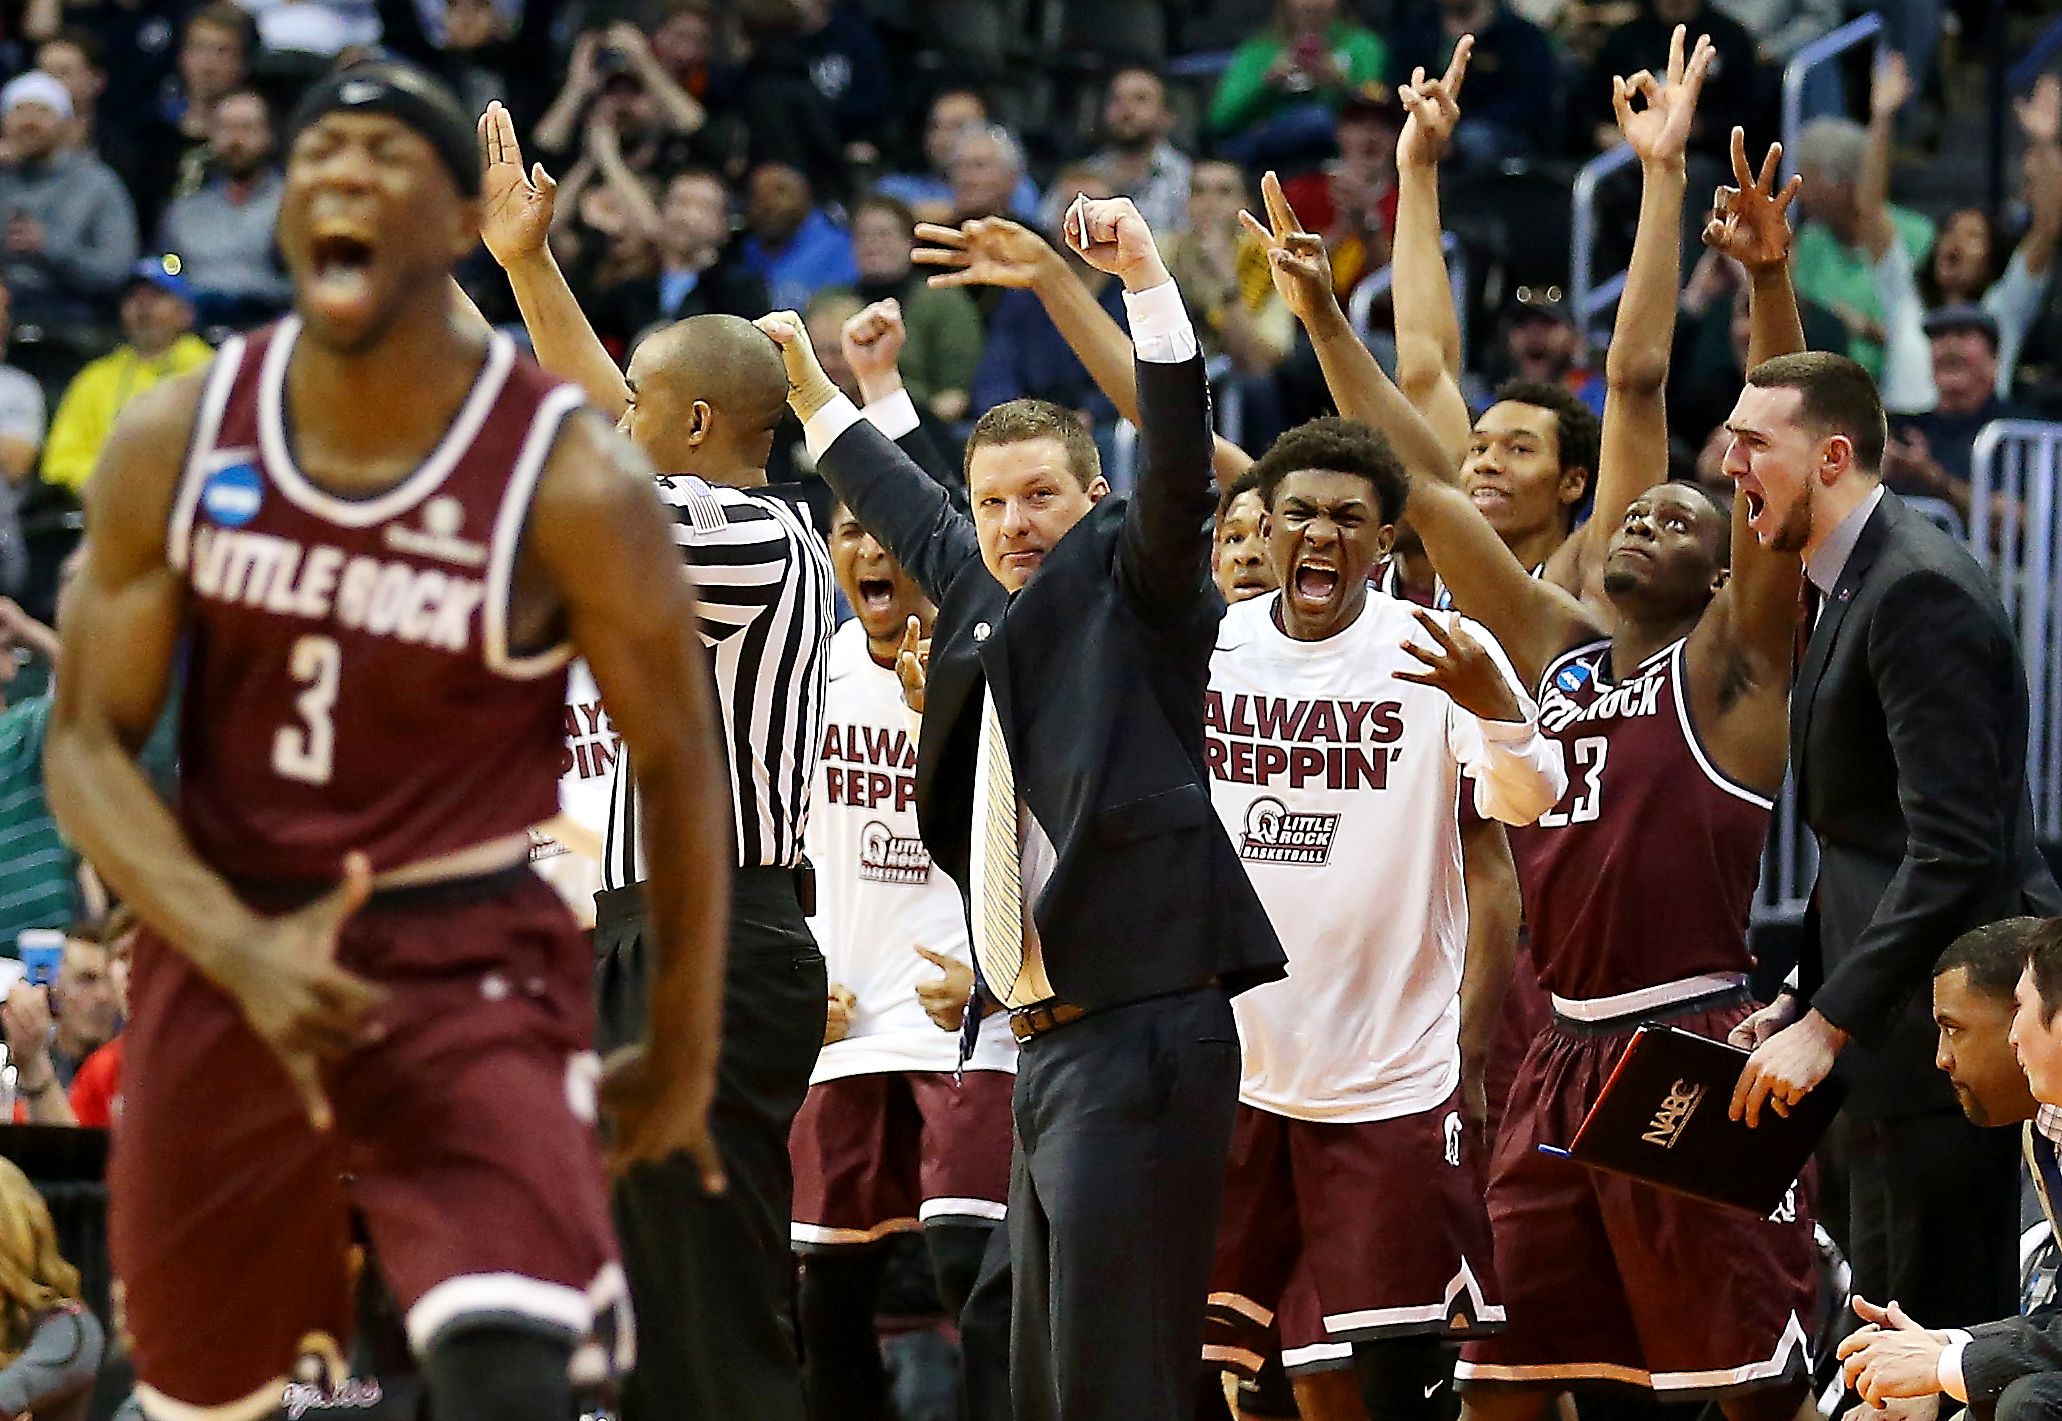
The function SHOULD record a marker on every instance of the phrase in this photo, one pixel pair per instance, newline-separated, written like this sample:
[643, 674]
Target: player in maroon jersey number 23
[373, 536]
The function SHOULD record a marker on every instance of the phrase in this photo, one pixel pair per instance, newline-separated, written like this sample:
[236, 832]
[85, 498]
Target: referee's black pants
[1123, 1129]
[711, 1277]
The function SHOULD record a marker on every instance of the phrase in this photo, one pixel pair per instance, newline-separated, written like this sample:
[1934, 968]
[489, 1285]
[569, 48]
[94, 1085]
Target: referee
[709, 1273]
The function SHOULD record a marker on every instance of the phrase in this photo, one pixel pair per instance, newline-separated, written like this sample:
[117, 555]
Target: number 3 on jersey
[1589, 755]
[307, 752]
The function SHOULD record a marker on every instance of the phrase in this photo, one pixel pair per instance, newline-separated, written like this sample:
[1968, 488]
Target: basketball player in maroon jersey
[373, 537]
[1671, 703]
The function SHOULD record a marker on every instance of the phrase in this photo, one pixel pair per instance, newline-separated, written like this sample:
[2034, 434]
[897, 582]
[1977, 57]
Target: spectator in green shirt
[39, 871]
[1849, 227]
[944, 325]
[1277, 99]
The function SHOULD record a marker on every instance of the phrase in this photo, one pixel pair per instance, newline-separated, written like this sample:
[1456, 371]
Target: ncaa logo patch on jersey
[1572, 677]
[233, 496]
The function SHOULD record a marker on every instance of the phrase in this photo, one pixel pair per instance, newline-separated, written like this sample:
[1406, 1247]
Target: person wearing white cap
[67, 227]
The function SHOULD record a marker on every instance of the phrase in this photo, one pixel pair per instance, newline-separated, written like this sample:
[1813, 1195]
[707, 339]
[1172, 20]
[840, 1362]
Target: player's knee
[495, 1372]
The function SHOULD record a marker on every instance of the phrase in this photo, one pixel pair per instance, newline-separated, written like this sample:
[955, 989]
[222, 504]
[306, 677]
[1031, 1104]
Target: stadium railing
[2015, 522]
[1589, 298]
[1826, 49]
[1360, 306]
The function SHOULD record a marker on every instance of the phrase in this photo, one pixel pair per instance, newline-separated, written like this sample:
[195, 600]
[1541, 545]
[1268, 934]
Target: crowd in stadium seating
[770, 154]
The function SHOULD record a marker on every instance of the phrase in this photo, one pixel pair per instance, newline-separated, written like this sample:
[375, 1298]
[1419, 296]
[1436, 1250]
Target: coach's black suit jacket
[1098, 669]
[1908, 745]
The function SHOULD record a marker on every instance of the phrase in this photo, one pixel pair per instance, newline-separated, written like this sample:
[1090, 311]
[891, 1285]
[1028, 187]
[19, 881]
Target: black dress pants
[1123, 1126]
[711, 1276]
[1933, 1217]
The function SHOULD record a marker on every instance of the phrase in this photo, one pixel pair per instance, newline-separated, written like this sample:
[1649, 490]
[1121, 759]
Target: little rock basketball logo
[233, 496]
[1276, 834]
[885, 857]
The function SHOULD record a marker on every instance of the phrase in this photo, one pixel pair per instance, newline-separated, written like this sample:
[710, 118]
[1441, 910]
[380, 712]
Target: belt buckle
[1033, 1019]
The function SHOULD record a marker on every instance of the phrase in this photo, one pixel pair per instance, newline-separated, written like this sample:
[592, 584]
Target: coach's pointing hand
[303, 1006]
[809, 389]
[913, 664]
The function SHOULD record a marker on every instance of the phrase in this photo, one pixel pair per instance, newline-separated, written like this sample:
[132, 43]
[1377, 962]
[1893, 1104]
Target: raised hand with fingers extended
[516, 208]
[1434, 110]
[988, 251]
[1301, 267]
[1457, 664]
[1659, 132]
[1750, 220]
[1890, 87]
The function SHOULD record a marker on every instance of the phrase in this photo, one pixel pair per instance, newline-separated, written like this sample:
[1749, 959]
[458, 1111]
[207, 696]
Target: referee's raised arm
[891, 495]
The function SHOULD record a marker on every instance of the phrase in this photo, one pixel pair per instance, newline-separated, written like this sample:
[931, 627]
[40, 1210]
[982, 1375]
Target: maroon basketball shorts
[888, 1152]
[1349, 1232]
[464, 1139]
[1527, 1008]
[1610, 1281]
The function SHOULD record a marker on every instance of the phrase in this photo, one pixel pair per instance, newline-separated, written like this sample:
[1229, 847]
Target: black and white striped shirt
[763, 576]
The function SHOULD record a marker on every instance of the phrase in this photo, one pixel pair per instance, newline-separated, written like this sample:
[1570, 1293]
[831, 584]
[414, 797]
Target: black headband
[404, 93]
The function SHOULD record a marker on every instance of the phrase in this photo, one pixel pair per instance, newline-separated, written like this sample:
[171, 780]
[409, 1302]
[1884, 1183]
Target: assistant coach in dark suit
[1061, 783]
[1908, 749]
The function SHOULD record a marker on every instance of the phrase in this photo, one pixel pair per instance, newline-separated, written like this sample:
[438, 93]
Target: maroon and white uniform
[349, 684]
[1339, 784]
[888, 1139]
[1637, 888]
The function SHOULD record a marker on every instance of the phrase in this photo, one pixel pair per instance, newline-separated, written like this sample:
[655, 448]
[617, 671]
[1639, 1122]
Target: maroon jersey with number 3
[1644, 872]
[349, 682]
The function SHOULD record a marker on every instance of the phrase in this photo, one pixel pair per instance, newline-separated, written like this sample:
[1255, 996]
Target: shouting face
[1325, 534]
[369, 223]
[882, 594]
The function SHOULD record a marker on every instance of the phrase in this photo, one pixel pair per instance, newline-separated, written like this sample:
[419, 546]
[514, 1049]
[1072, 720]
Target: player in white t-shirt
[1338, 726]
[888, 1139]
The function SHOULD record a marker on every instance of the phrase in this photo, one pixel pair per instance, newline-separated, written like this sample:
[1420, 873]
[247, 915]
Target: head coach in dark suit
[1908, 750]
[1061, 782]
